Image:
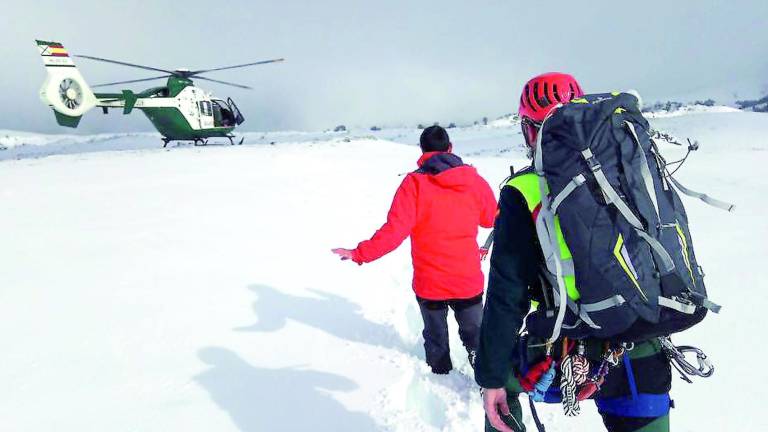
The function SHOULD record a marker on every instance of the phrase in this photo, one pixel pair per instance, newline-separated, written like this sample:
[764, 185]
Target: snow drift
[192, 288]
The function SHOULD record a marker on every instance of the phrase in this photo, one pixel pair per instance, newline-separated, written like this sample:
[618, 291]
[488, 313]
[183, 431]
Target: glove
[347, 254]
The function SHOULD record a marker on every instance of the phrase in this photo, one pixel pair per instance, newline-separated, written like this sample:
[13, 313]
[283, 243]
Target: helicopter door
[239, 119]
[206, 114]
[222, 115]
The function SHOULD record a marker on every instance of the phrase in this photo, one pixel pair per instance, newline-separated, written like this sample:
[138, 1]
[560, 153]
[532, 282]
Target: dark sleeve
[514, 264]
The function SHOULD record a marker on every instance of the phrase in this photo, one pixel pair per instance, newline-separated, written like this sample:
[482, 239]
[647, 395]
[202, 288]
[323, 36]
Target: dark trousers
[468, 313]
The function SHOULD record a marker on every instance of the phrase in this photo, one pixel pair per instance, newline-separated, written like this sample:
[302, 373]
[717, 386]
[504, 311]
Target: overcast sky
[396, 62]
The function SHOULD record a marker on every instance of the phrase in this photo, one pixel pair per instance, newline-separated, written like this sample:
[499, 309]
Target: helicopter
[179, 110]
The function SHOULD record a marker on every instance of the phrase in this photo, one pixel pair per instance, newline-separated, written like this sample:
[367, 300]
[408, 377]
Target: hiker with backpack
[594, 239]
[440, 206]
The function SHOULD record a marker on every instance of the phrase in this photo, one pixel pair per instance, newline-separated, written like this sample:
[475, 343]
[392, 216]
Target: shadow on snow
[291, 399]
[327, 312]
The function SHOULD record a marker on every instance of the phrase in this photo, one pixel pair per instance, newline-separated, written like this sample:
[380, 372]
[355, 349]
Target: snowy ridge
[25, 145]
[506, 121]
[690, 109]
[193, 288]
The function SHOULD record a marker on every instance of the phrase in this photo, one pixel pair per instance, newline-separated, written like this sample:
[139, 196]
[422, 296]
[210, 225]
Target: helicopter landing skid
[202, 142]
[232, 140]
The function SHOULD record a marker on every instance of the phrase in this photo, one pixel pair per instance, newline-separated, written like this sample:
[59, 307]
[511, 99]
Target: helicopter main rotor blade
[224, 82]
[125, 64]
[131, 81]
[236, 66]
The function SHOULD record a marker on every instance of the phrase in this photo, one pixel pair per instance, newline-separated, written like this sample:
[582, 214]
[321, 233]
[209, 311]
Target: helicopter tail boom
[64, 88]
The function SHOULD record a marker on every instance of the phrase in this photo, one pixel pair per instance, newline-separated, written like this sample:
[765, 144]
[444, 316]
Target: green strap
[645, 349]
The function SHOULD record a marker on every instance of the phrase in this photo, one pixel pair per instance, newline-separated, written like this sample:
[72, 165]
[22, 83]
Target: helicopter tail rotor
[64, 88]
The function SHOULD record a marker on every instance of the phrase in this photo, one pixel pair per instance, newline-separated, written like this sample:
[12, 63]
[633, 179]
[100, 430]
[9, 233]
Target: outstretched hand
[345, 254]
[495, 405]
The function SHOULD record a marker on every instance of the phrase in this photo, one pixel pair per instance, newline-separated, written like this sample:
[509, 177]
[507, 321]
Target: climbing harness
[580, 381]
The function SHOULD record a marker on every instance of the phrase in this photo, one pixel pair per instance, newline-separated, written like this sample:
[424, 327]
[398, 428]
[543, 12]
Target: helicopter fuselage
[191, 114]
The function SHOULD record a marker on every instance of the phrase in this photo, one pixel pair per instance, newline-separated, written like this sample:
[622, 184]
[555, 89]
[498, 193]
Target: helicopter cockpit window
[205, 108]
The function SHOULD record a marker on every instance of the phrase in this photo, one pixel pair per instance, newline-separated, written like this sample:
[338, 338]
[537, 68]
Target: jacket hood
[446, 169]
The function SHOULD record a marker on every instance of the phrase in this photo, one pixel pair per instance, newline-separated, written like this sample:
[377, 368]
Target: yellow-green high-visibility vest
[528, 185]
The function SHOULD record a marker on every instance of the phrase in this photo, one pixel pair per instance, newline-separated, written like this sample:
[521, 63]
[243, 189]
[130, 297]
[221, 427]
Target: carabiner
[705, 369]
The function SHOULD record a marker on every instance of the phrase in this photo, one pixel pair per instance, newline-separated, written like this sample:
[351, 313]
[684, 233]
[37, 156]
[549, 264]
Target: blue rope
[541, 387]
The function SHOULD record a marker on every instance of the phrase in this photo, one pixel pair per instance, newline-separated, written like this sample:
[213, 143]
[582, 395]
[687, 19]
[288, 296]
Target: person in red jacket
[440, 206]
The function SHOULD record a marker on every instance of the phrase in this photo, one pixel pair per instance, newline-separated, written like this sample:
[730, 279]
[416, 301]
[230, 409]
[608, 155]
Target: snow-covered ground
[193, 288]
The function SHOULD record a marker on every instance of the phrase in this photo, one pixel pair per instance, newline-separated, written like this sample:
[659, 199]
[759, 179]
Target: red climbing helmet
[540, 95]
[543, 92]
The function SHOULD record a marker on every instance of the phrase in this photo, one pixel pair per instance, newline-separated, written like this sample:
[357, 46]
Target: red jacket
[440, 207]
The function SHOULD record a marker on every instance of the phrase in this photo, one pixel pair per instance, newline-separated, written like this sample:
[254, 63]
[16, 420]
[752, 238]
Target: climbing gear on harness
[676, 355]
[540, 377]
[632, 395]
[627, 397]
[544, 383]
[580, 365]
[529, 381]
[568, 383]
[611, 359]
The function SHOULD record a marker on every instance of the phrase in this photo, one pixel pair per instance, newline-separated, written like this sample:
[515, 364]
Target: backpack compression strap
[613, 198]
[551, 250]
[652, 191]
[645, 171]
[704, 197]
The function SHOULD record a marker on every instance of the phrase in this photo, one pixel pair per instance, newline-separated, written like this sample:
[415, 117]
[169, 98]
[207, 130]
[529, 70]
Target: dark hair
[434, 138]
